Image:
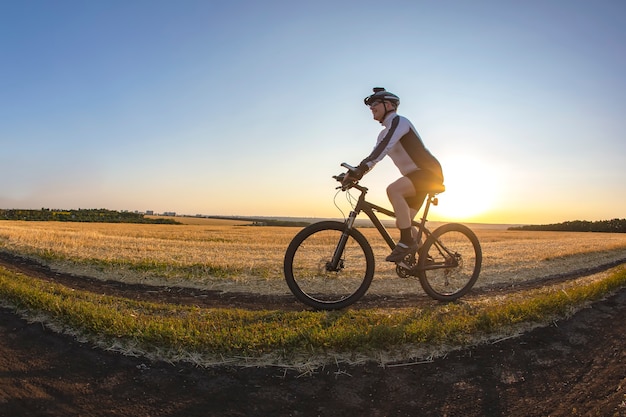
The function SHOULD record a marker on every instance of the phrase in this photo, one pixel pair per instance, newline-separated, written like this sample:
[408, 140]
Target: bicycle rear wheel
[449, 262]
[310, 275]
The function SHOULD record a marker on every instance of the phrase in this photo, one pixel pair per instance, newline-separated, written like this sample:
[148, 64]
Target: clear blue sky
[248, 108]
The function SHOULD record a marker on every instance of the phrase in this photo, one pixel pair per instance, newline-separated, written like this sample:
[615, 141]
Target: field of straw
[233, 256]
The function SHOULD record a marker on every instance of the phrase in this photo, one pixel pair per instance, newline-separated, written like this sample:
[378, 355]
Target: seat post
[429, 200]
[422, 223]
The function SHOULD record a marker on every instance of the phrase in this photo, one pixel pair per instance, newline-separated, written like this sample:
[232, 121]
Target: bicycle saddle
[436, 189]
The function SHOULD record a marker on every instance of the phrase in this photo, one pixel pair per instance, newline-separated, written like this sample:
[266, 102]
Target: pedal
[409, 261]
[405, 271]
[403, 264]
[404, 268]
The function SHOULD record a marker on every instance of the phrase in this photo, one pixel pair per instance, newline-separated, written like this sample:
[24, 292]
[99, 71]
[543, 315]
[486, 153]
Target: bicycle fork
[336, 263]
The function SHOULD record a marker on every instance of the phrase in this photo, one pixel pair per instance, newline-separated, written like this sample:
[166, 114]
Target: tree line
[80, 215]
[607, 226]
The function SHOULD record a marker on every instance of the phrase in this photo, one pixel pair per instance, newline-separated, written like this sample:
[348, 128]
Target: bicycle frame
[369, 209]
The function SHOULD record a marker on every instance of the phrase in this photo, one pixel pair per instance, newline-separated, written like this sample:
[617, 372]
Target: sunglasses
[375, 103]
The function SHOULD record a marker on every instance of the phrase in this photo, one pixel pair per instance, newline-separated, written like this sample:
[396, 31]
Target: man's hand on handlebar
[345, 180]
[355, 172]
[349, 178]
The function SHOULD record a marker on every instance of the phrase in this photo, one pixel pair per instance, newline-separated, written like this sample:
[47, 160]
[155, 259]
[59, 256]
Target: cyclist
[421, 172]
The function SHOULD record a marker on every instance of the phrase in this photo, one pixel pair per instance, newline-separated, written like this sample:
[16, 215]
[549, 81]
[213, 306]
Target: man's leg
[413, 228]
[398, 192]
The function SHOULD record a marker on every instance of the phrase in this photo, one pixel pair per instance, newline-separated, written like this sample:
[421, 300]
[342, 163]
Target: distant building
[150, 212]
[170, 213]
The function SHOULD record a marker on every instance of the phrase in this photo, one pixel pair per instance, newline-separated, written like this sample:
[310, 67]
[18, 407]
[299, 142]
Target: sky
[248, 108]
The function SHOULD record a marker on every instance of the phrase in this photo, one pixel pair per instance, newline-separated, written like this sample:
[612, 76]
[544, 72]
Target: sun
[469, 191]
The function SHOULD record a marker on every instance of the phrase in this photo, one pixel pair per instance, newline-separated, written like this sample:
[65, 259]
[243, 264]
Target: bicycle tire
[306, 272]
[445, 277]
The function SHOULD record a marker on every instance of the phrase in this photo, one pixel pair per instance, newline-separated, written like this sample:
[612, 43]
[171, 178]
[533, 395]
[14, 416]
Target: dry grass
[226, 255]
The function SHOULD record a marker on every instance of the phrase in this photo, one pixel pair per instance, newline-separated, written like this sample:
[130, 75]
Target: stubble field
[236, 257]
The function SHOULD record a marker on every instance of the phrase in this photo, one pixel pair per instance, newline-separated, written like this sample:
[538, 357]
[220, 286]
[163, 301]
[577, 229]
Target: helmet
[380, 94]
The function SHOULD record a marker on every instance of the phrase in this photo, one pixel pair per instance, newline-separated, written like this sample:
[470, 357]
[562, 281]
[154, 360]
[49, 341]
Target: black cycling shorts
[424, 181]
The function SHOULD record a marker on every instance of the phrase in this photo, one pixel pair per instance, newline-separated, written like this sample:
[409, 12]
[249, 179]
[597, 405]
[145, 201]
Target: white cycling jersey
[400, 140]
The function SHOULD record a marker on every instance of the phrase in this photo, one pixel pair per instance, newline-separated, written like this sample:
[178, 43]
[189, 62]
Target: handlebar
[346, 185]
[350, 167]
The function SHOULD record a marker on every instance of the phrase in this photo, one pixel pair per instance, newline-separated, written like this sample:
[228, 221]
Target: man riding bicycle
[421, 171]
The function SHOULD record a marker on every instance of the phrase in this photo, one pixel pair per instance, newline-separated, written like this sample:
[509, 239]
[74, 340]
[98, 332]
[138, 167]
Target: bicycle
[329, 265]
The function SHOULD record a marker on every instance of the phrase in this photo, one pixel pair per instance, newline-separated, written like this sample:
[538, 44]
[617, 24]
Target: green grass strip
[175, 328]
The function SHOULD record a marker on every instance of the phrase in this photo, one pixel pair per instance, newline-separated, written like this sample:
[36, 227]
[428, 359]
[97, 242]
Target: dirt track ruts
[210, 298]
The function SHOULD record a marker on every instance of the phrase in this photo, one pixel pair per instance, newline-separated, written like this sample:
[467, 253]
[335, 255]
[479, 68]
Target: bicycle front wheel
[449, 262]
[313, 279]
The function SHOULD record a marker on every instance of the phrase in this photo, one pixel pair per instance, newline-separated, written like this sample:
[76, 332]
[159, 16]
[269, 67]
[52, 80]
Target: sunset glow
[471, 188]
